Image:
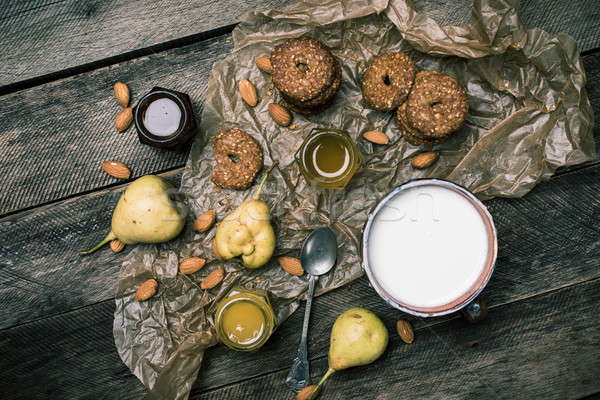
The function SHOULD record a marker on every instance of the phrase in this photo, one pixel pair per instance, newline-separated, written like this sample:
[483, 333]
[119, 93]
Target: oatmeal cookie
[238, 159]
[412, 135]
[320, 102]
[437, 105]
[388, 80]
[306, 73]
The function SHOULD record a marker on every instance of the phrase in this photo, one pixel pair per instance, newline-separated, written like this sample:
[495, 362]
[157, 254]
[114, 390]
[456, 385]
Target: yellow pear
[146, 213]
[358, 337]
[247, 232]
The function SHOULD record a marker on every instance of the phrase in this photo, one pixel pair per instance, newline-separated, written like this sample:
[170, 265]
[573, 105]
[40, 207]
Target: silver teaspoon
[318, 255]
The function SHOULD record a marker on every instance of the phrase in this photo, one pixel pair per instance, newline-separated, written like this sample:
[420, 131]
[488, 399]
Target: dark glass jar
[164, 118]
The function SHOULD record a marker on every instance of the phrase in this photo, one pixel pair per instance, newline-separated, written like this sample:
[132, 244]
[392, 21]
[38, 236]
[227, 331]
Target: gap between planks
[109, 61]
[137, 53]
[172, 171]
[167, 172]
[453, 317]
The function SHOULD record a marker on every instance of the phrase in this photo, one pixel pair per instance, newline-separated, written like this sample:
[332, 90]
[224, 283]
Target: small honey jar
[164, 118]
[328, 158]
[244, 319]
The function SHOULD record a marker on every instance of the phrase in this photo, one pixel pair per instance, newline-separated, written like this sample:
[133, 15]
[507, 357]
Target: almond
[146, 290]
[213, 279]
[116, 245]
[305, 393]
[405, 331]
[116, 169]
[205, 221]
[264, 64]
[291, 265]
[280, 114]
[377, 137]
[248, 92]
[122, 93]
[124, 119]
[424, 160]
[191, 265]
[215, 251]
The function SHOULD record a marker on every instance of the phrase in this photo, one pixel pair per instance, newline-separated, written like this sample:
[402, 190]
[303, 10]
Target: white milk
[162, 117]
[427, 246]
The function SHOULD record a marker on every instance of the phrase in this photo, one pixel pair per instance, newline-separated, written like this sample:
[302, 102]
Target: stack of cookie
[306, 73]
[436, 108]
[431, 105]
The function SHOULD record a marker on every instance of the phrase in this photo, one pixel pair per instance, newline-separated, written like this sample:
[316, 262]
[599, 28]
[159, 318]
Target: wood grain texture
[41, 271]
[57, 309]
[56, 151]
[71, 356]
[40, 37]
[544, 347]
[547, 241]
[55, 137]
[541, 346]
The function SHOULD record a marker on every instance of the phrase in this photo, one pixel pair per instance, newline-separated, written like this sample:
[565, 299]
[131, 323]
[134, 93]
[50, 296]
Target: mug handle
[475, 311]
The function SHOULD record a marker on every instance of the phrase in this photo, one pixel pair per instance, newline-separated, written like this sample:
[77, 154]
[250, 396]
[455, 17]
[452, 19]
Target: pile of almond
[187, 266]
[420, 161]
[279, 113]
[125, 116]
[203, 223]
[117, 169]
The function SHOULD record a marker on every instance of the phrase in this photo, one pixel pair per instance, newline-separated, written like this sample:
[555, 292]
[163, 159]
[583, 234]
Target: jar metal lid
[254, 296]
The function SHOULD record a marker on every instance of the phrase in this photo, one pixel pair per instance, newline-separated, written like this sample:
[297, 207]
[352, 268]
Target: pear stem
[108, 238]
[263, 180]
[321, 382]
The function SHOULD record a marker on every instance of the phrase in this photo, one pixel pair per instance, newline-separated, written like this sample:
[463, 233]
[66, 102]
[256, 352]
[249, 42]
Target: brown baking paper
[529, 114]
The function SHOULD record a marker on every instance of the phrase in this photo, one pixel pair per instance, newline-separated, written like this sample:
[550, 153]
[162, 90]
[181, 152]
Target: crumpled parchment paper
[529, 114]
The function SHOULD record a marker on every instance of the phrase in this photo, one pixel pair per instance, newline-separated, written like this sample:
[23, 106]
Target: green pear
[358, 337]
[247, 231]
[145, 213]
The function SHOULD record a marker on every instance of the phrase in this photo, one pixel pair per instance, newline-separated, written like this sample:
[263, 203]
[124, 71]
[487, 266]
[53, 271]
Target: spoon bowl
[319, 251]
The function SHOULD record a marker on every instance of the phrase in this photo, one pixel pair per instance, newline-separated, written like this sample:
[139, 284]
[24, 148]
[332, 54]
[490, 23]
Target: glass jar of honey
[244, 319]
[328, 158]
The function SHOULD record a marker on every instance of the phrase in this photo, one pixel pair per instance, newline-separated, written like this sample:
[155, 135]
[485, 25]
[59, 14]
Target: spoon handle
[309, 298]
[299, 376]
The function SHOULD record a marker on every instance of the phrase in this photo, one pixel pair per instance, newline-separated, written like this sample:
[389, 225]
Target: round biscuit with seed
[238, 159]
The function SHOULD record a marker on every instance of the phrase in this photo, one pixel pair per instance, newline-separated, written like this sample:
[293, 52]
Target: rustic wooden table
[59, 61]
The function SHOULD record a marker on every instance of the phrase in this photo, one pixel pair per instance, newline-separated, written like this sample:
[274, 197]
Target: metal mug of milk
[429, 247]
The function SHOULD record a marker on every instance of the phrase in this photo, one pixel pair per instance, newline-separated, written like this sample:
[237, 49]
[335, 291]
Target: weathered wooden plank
[55, 137]
[541, 345]
[37, 262]
[71, 356]
[533, 259]
[41, 272]
[544, 347]
[49, 158]
[44, 36]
